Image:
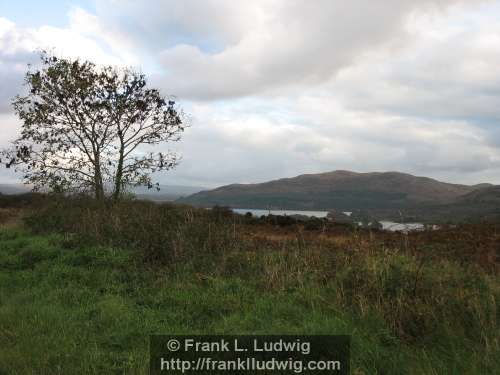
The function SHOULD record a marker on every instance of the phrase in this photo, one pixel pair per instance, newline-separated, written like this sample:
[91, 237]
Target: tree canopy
[89, 128]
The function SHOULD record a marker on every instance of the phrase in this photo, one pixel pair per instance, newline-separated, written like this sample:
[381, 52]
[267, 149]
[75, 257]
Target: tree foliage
[90, 128]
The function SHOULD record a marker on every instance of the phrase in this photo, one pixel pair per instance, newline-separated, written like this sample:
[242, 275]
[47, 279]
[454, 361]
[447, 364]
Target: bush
[314, 224]
[281, 220]
[164, 233]
[30, 200]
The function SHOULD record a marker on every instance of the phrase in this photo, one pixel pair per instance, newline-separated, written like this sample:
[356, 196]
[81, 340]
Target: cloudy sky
[277, 88]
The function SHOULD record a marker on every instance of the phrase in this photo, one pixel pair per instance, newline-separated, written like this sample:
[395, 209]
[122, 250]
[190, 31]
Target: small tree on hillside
[84, 125]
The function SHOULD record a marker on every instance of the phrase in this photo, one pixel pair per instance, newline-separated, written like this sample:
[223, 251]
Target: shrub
[314, 224]
[164, 233]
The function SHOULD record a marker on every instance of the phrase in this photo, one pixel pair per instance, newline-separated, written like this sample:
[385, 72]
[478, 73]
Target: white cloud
[19, 46]
[446, 72]
[222, 49]
[282, 87]
[240, 143]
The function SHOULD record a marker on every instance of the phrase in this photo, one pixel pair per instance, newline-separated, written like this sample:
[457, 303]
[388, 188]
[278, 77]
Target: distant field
[77, 295]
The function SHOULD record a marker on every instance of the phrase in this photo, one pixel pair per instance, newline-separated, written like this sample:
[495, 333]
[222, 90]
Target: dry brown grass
[475, 243]
[11, 217]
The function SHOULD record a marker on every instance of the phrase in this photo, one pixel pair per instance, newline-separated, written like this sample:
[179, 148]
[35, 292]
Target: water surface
[260, 212]
[386, 225]
[404, 227]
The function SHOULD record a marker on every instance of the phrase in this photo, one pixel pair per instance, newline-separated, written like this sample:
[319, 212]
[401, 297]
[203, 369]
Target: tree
[88, 128]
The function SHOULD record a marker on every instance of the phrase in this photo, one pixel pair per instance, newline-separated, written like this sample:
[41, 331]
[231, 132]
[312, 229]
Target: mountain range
[338, 189]
[381, 195]
[384, 193]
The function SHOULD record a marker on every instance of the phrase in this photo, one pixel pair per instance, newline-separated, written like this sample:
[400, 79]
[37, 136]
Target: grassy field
[79, 295]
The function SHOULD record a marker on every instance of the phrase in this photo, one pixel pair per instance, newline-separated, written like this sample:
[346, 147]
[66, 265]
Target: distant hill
[13, 189]
[337, 190]
[166, 192]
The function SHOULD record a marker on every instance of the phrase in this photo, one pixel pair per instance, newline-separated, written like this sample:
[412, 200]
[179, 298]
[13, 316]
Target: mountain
[337, 190]
[486, 195]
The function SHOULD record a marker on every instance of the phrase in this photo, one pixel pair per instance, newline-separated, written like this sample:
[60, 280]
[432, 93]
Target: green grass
[82, 309]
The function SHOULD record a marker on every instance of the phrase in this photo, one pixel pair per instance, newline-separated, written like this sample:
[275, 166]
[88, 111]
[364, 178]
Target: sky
[279, 88]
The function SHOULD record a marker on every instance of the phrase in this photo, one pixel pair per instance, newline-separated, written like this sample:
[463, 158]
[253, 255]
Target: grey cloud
[12, 66]
[221, 49]
[453, 77]
[9, 128]
[236, 146]
[303, 43]
[158, 24]
[11, 81]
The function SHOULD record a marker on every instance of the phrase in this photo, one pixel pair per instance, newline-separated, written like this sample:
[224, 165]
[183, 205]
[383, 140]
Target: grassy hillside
[83, 285]
[489, 195]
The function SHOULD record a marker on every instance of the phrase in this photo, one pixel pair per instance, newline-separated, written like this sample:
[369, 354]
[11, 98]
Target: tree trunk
[119, 174]
[118, 180]
[98, 188]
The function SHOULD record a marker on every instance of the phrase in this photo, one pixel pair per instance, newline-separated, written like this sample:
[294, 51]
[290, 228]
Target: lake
[404, 227]
[260, 212]
[386, 225]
